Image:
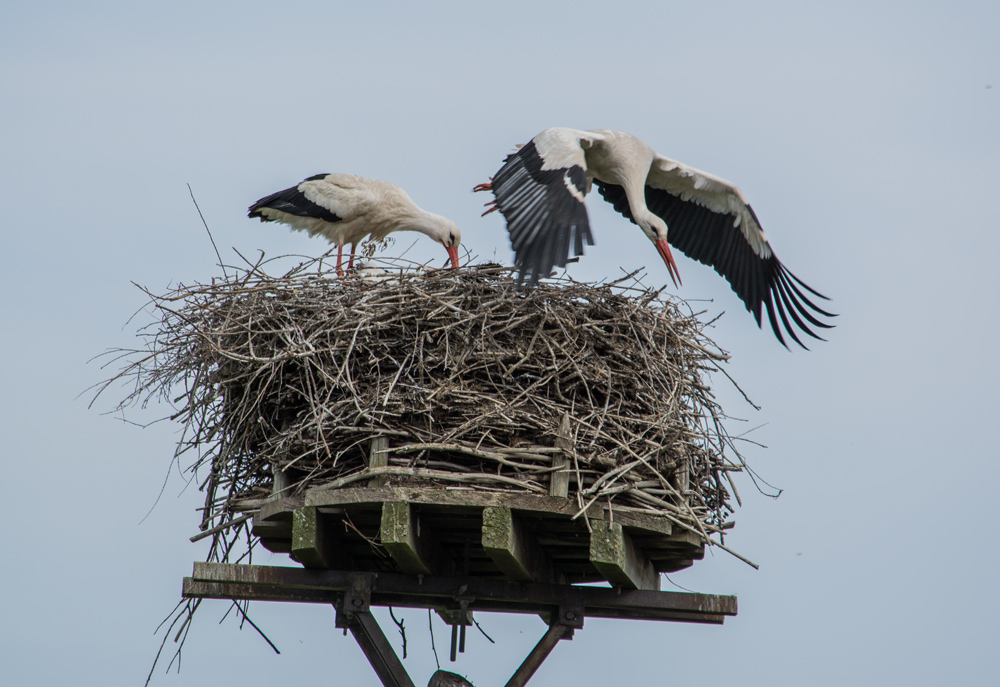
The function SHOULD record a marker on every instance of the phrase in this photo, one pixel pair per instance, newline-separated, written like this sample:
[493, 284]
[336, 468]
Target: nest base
[442, 531]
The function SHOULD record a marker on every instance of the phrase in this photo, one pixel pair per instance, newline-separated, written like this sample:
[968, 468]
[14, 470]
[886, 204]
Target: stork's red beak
[453, 254]
[664, 249]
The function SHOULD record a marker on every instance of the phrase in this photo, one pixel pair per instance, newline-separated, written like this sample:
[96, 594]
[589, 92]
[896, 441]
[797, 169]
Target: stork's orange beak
[664, 249]
[453, 254]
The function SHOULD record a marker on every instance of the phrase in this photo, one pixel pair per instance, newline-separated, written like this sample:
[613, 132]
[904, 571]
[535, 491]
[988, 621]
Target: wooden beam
[267, 583]
[617, 557]
[281, 484]
[538, 655]
[310, 546]
[378, 458]
[512, 547]
[376, 648]
[445, 497]
[559, 479]
[402, 537]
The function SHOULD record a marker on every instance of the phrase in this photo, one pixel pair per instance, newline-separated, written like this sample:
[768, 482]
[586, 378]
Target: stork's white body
[346, 208]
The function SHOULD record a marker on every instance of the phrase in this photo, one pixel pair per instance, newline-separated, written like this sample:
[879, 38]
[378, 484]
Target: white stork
[345, 208]
[540, 190]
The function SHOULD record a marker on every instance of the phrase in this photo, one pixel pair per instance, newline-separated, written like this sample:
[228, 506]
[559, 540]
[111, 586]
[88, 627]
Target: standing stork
[540, 190]
[345, 208]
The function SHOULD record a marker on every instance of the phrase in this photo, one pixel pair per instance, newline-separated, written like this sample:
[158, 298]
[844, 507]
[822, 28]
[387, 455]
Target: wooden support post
[505, 543]
[682, 480]
[541, 651]
[513, 548]
[378, 458]
[559, 480]
[377, 649]
[310, 546]
[401, 536]
[280, 484]
[616, 556]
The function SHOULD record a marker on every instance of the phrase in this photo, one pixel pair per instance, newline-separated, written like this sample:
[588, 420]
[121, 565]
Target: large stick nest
[468, 375]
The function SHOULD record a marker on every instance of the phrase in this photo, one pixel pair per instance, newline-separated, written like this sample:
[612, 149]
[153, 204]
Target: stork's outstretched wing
[709, 220]
[540, 190]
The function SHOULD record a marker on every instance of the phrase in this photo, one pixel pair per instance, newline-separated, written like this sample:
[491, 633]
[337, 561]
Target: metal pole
[541, 651]
[376, 647]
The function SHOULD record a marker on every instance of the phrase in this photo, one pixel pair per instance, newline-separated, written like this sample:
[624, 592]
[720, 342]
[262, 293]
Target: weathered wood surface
[514, 549]
[559, 481]
[401, 535]
[634, 518]
[519, 536]
[310, 544]
[255, 582]
[622, 563]
[378, 457]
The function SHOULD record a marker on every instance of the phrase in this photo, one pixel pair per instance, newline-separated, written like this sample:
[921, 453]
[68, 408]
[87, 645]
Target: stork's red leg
[340, 255]
[492, 209]
[483, 187]
[350, 263]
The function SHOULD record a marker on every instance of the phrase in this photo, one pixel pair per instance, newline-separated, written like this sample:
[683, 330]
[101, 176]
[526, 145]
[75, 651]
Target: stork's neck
[622, 159]
[426, 223]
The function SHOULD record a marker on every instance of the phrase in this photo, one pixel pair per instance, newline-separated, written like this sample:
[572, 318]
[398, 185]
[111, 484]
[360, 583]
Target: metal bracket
[462, 619]
[571, 611]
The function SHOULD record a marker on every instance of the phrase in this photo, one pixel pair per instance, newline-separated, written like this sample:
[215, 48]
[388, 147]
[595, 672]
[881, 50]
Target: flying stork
[345, 208]
[540, 191]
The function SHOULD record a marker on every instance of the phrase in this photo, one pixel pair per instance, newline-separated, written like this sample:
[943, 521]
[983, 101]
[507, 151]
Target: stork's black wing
[293, 202]
[540, 190]
[713, 238]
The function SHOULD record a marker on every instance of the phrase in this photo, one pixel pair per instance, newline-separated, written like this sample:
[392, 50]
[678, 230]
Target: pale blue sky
[865, 135]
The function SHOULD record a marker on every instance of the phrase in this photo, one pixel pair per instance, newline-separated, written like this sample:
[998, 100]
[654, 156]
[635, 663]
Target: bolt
[358, 603]
[570, 615]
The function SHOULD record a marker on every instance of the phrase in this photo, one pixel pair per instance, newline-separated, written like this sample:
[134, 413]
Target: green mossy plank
[309, 546]
[616, 556]
[505, 543]
[401, 536]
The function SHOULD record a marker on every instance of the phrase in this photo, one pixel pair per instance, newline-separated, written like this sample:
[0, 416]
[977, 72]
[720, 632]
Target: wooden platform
[447, 531]
[564, 607]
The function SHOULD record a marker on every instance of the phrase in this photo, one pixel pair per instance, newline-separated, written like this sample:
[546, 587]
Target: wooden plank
[271, 529]
[450, 497]
[559, 480]
[401, 535]
[630, 518]
[282, 508]
[310, 546]
[378, 458]
[640, 520]
[512, 548]
[409, 591]
[616, 557]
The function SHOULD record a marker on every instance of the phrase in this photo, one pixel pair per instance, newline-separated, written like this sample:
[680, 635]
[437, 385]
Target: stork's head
[655, 228]
[448, 235]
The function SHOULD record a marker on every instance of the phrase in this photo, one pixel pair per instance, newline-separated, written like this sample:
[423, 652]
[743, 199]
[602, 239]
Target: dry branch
[466, 373]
